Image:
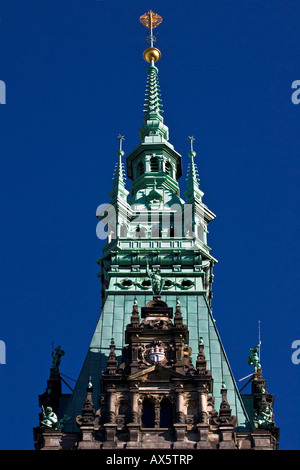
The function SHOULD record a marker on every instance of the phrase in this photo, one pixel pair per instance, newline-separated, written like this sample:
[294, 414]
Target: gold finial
[151, 20]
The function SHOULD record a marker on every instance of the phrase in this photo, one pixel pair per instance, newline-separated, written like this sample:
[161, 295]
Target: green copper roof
[153, 120]
[112, 323]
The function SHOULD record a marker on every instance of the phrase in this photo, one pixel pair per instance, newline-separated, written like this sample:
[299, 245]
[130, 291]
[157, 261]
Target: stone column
[180, 425]
[202, 407]
[147, 163]
[179, 408]
[134, 426]
[161, 164]
[156, 412]
[134, 406]
[203, 426]
[111, 406]
[111, 426]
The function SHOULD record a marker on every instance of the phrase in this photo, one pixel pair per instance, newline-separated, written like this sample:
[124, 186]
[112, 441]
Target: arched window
[148, 414]
[166, 413]
[140, 168]
[154, 164]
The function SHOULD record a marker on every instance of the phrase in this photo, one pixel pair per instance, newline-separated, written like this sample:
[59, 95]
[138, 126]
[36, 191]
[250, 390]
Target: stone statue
[253, 358]
[61, 422]
[49, 418]
[157, 282]
[264, 418]
[56, 356]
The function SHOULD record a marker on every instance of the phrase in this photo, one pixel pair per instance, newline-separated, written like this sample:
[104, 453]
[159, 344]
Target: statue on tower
[264, 419]
[253, 358]
[157, 281]
[56, 356]
[49, 418]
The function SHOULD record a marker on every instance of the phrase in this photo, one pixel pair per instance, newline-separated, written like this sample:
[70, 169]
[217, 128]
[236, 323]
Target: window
[154, 164]
[140, 168]
[166, 413]
[148, 414]
[168, 168]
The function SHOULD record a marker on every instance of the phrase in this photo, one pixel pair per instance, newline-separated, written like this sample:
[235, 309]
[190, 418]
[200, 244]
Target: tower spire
[153, 120]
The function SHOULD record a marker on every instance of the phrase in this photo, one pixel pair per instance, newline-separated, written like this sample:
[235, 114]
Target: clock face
[156, 354]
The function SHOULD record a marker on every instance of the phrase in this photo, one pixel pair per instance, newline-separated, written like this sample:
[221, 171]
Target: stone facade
[156, 398]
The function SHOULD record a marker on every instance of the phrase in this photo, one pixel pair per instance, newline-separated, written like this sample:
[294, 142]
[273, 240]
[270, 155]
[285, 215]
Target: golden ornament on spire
[151, 20]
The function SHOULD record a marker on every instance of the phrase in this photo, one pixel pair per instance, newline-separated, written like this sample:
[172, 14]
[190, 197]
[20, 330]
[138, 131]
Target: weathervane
[151, 20]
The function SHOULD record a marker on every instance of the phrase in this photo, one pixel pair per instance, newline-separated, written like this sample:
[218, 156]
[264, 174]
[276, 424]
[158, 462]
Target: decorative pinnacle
[120, 152]
[192, 153]
[193, 190]
[151, 20]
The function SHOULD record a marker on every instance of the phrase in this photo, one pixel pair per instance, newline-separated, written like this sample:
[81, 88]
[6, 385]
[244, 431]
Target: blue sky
[75, 78]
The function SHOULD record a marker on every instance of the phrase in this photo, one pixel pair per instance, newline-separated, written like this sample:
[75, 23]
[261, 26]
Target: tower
[156, 374]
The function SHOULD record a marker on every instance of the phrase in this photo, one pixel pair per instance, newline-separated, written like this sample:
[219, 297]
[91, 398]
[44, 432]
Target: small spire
[119, 177]
[192, 170]
[87, 417]
[201, 363]
[178, 320]
[135, 318]
[193, 191]
[112, 362]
